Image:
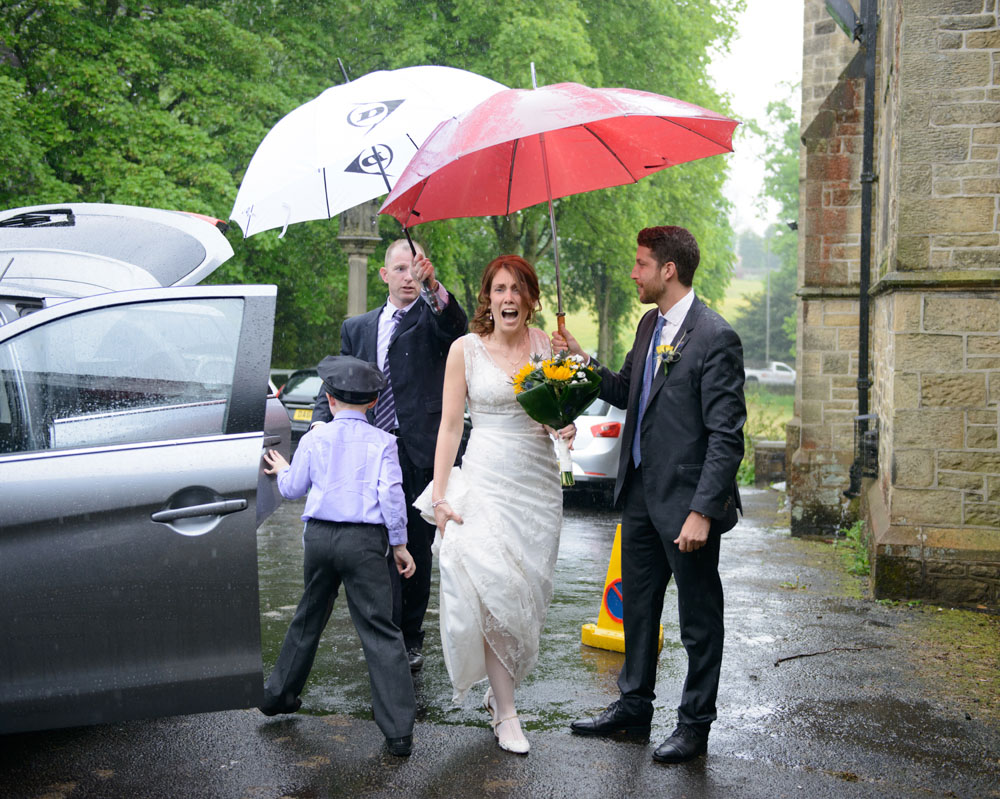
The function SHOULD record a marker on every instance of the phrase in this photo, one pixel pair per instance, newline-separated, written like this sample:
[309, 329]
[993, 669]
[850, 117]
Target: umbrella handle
[561, 323]
[425, 287]
[429, 295]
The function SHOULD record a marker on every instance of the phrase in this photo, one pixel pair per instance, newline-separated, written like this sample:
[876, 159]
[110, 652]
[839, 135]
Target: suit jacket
[691, 438]
[418, 351]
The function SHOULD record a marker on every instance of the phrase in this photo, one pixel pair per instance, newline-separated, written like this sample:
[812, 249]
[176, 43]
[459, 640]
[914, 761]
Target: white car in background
[774, 374]
[597, 448]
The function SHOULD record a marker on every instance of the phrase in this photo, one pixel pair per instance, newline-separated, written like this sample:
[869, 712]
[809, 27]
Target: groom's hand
[694, 533]
[563, 340]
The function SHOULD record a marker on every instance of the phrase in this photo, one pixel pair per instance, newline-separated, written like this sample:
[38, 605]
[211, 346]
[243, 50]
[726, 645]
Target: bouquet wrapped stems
[565, 462]
[554, 392]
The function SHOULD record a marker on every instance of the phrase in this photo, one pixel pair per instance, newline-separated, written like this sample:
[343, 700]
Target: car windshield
[302, 387]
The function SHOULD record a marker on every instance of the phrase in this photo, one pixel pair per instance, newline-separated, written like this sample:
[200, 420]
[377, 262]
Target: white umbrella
[330, 154]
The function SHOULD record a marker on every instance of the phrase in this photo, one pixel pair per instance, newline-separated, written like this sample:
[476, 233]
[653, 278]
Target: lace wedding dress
[496, 567]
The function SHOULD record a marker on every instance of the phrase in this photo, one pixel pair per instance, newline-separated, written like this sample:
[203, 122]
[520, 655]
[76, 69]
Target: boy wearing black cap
[349, 472]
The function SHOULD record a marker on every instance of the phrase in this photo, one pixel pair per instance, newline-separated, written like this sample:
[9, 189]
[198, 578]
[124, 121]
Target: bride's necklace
[520, 354]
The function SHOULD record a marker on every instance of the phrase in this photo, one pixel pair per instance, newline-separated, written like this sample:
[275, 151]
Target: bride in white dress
[499, 514]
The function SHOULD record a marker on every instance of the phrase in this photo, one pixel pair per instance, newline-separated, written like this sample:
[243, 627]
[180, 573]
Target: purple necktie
[385, 409]
[647, 384]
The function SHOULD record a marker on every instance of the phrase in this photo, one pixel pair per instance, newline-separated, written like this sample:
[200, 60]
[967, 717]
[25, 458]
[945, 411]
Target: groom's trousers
[649, 559]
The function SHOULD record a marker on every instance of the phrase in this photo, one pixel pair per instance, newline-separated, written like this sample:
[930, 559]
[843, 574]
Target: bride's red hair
[527, 282]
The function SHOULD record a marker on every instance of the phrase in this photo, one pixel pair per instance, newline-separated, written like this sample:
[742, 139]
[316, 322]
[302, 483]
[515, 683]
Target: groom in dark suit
[682, 386]
[409, 343]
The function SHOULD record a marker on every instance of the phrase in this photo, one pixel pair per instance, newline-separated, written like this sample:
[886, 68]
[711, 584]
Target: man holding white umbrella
[409, 343]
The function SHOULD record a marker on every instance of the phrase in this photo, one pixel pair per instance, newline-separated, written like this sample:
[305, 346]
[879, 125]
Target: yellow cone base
[612, 640]
[594, 636]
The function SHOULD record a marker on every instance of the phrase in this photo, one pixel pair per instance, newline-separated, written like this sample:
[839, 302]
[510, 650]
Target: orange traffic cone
[608, 633]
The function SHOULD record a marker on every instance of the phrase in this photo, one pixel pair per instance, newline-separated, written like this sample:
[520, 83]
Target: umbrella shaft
[552, 222]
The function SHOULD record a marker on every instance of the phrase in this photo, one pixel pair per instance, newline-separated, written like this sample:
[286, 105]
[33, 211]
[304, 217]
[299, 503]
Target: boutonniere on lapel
[667, 354]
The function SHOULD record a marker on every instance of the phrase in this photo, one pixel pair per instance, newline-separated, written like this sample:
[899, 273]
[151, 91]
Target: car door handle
[208, 509]
[271, 441]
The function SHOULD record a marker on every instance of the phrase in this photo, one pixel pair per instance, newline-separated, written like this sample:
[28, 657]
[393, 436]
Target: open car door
[131, 430]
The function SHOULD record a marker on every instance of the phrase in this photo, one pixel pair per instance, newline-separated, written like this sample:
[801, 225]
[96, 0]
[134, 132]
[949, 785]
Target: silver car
[597, 448]
[133, 413]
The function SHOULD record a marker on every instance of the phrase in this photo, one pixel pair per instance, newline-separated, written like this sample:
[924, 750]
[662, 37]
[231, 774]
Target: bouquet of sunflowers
[554, 391]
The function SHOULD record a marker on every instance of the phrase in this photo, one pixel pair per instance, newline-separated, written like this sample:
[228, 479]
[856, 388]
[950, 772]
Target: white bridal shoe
[516, 746]
[488, 705]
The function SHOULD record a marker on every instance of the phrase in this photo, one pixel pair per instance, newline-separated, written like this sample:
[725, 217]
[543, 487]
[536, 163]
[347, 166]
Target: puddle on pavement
[569, 676]
[850, 712]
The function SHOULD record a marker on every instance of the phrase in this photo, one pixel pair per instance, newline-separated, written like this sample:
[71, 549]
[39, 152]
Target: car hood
[80, 249]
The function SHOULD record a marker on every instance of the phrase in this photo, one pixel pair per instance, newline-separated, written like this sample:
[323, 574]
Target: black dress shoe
[400, 747]
[415, 659]
[272, 707]
[683, 744]
[613, 721]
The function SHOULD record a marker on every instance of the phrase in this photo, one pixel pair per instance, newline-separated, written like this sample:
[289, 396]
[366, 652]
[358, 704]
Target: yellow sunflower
[553, 372]
[520, 377]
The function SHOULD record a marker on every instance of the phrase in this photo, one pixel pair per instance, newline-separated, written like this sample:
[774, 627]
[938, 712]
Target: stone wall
[934, 510]
[820, 436]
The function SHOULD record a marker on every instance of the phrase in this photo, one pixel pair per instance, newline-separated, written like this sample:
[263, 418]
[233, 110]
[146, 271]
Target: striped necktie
[647, 384]
[385, 409]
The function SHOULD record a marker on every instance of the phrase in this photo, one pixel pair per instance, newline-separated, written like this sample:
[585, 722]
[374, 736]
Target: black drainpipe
[864, 463]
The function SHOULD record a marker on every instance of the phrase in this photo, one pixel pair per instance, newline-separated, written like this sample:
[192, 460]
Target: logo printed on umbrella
[293, 175]
[367, 161]
[368, 115]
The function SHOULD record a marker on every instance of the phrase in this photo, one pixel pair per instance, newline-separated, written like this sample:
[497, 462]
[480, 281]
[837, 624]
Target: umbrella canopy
[521, 147]
[330, 153]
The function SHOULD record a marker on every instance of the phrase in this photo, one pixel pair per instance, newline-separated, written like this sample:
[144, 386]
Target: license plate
[302, 414]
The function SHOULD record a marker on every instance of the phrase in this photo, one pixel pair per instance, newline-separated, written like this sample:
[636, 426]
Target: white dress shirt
[672, 320]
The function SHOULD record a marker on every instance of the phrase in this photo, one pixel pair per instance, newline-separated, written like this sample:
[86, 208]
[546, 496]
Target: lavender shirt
[351, 471]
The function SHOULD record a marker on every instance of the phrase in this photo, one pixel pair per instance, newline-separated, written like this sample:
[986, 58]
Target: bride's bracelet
[439, 502]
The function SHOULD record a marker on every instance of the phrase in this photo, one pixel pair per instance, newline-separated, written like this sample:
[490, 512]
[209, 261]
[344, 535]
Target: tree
[131, 103]
[755, 252]
[781, 185]
[162, 103]
[154, 104]
[581, 40]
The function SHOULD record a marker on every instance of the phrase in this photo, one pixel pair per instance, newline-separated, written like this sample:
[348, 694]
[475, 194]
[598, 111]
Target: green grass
[767, 415]
[854, 548]
[583, 324]
[737, 290]
[770, 411]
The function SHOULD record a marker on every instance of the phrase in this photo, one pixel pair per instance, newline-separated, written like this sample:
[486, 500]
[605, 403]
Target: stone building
[933, 510]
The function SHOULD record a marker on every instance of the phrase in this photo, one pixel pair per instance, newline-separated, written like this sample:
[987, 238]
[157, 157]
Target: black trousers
[649, 560]
[411, 595]
[352, 554]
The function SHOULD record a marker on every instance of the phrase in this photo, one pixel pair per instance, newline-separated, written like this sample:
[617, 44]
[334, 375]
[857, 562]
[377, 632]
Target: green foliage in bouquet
[556, 390]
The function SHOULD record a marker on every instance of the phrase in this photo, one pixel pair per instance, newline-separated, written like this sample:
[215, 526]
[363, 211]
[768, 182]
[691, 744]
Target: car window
[140, 372]
[302, 387]
[598, 407]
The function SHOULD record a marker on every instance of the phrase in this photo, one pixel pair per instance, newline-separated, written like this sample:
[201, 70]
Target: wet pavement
[883, 712]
